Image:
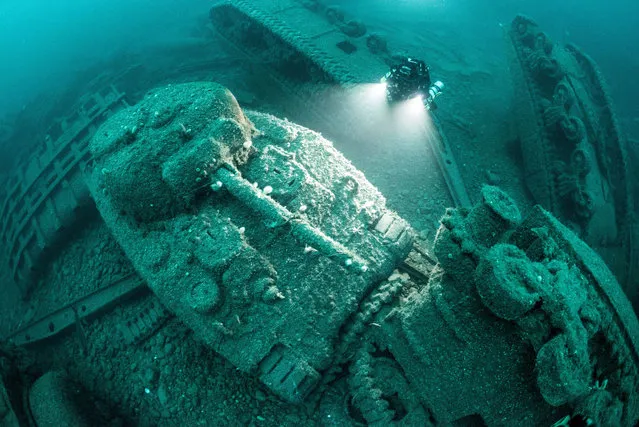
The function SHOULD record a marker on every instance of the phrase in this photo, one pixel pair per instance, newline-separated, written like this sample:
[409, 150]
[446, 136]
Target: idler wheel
[584, 204]
[542, 42]
[563, 94]
[549, 68]
[553, 114]
[353, 28]
[508, 283]
[496, 214]
[580, 162]
[313, 5]
[522, 27]
[334, 15]
[572, 128]
[562, 370]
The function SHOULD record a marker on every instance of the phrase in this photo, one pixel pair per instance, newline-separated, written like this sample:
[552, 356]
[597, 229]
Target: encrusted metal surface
[69, 315]
[42, 197]
[575, 158]
[283, 20]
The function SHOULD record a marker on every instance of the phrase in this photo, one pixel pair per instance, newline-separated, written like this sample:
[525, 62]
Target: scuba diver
[411, 78]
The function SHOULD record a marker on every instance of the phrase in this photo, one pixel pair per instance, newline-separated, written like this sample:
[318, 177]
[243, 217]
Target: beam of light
[369, 95]
[364, 125]
[364, 104]
[414, 108]
[410, 114]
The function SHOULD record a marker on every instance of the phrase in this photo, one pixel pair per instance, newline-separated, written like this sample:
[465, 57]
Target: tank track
[575, 158]
[46, 193]
[321, 45]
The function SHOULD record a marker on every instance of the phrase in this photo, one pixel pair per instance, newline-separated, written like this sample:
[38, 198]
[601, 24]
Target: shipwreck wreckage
[293, 269]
